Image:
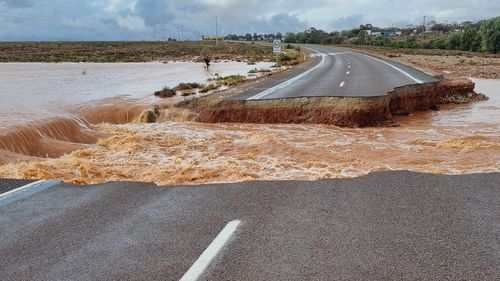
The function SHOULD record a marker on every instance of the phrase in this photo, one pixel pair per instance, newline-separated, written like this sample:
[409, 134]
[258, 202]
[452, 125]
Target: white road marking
[398, 69]
[349, 66]
[342, 84]
[201, 264]
[347, 73]
[341, 53]
[290, 81]
[26, 191]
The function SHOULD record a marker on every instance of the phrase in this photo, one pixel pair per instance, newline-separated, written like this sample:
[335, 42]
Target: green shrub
[438, 44]
[490, 32]
[186, 86]
[470, 40]
[453, 42]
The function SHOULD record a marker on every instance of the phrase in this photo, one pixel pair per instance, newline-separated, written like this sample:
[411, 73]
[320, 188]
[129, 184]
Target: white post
[216, 31]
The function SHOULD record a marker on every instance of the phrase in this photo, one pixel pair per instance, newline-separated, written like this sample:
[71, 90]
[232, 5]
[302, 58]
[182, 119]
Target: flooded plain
[47, 108]
[455, 140]
[35, 91]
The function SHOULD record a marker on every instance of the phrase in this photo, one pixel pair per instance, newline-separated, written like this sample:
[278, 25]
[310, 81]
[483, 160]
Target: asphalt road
[339, 72]
[385, 226]
[10, 184]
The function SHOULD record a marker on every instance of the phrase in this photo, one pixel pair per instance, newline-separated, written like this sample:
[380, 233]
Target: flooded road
[455, 140]
[46, 108]
[35, 91]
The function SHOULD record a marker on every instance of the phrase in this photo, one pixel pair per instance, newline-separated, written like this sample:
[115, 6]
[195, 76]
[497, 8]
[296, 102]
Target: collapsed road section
[343, 88]
[340, 111]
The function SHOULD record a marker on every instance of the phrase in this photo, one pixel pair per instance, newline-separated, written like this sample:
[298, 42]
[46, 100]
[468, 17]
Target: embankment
[339, 111]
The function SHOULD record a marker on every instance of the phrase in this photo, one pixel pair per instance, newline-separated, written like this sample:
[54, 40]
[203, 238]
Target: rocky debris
[460, 99]
[165, 93]
[186, 86]
[209, 87]
[150, 115]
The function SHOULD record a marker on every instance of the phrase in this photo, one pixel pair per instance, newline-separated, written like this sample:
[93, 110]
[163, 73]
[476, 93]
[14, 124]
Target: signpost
[277, 51]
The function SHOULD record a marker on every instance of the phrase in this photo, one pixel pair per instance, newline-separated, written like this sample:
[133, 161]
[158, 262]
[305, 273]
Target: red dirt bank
[339, 111]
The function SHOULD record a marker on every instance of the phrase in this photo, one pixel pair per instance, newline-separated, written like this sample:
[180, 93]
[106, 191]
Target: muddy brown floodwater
[455, 140]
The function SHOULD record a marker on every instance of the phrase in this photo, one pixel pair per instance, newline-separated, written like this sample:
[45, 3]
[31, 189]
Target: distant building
[386, 32]
[211, 37]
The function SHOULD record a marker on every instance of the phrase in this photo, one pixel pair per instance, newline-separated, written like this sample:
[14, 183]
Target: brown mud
[301, 145]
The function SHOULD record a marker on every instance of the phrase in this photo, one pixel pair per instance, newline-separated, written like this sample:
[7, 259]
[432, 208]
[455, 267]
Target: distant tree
[439, 27]
[290, 37]
[453, 42]
[362, 35]
[279, 36]
[336, 37]
[490, 32]
[411, 42]
[347, 34]
[248, 37]
[470, 40]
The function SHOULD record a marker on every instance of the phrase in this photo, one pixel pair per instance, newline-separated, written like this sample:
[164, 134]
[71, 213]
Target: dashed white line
[201, 264]
[348, 72]
[342, 84]
[340, 53]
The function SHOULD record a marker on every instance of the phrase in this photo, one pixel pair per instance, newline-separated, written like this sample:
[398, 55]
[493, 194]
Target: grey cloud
[154, 12]
[87, 20]
[286, 22]
[17, 3]
[347, 22]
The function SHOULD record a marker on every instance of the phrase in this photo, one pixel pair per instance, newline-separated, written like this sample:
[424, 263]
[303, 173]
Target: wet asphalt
[10, 184]
[384, 226]
[341, 73]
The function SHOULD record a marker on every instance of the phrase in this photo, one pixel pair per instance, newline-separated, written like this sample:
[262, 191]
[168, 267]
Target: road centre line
[342, 84]
[340, 53]
[292, 80]
[201, 264]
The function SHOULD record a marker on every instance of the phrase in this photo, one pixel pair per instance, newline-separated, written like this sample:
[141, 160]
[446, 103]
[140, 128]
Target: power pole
[216, 31]
[182, 32]
[424, 21]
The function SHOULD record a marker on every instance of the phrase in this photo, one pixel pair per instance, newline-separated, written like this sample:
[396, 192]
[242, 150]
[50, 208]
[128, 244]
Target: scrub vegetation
[468, 36]
[129, 51]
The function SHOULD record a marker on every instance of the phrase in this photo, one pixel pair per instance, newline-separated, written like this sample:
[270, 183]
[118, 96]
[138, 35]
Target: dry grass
[128, 51]
[443, 62]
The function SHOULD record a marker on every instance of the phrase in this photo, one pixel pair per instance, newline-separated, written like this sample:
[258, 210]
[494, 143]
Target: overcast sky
[156, 19]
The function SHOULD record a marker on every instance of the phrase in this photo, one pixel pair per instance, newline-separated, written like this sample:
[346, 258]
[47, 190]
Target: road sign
[277, 46]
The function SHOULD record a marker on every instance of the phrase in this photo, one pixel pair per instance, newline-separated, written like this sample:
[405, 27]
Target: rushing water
[455, 140]
[35, 91]
[46, 107]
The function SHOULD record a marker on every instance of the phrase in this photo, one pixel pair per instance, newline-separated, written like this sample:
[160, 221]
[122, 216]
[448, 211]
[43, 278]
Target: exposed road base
[341, 111]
